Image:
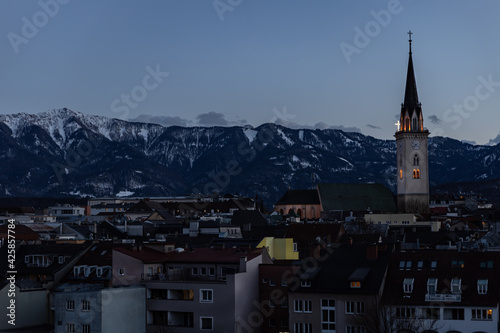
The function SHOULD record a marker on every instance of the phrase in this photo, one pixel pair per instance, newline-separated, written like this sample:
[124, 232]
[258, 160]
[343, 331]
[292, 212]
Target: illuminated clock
[415, 145]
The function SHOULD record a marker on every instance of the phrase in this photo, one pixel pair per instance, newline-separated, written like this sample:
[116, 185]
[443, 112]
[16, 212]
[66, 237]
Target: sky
[304, 64]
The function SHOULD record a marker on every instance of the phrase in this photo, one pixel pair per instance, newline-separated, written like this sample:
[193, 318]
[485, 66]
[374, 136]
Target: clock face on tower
[415, 144]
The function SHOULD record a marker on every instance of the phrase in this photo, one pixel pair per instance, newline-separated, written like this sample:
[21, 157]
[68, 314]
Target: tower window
[400, 174]
[414, 124]
[416, 160]
[416, 173]
[407, 123]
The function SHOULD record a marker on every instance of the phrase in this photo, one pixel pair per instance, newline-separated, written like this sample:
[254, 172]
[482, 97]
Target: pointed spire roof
[411, 103]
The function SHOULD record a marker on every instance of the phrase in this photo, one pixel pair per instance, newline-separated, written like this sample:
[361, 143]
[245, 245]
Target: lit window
[408, 285]
[416, 173]
[355, 284]
[206, 295]
[400, 174]
[482, 314]
[482, 286]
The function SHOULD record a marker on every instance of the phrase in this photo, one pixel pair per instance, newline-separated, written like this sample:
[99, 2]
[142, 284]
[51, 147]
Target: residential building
[211, 289]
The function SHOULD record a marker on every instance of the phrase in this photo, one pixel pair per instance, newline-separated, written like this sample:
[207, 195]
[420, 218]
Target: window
[85, 328]
[355, 329]
[271, 282]
[271, 303]
[264, 280]
[457, 264]
[416, 160]
[70, 305]
[121, 271]
[206, 295]
[206, 323]
[354, 307]
[308, 306]
[203, 271]
[297, 306]
[283, 283]
[433, 264]
[408, 285]
[400, 174]
[327, 315]
[284, 302]
[431, 286]
[305, 283]
[402, 265]
[453, 314]
[295, 248]
[60, 260]
[302, 305]
[416, 173]
[355, 284]
[420, 264]
[408, 265]
[70, 328]
[405, 312]
[486, 264]
[302, 327]
[85, 306]
[211, 271]
[455, 285]
[482, 314]
[194, 271]
[482, 286]
[272, 322]
[430, 313]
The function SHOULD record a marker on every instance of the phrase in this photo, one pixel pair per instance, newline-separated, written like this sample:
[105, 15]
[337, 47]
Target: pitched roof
[356, 197]
[447, 267]
[349, 263]
[297, 197]
[197, 255]
[252, 217]
[306, 234]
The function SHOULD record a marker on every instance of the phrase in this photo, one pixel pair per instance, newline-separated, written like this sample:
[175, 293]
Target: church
[412, 154]
[412, 173]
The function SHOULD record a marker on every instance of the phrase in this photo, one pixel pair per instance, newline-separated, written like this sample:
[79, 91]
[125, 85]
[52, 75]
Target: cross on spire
[409, 40]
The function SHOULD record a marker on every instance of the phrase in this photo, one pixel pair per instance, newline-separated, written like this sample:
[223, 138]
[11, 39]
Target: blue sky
[234, 62]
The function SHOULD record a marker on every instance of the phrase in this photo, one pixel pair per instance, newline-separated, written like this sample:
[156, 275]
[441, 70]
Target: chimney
[372, 252]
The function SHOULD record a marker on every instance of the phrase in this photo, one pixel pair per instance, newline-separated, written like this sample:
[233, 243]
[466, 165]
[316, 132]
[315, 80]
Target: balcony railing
[443, 297]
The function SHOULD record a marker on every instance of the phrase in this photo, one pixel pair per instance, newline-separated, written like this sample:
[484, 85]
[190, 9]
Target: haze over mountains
[67, 153]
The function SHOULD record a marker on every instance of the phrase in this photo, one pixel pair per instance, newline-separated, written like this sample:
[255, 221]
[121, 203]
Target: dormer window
[305, 283]
[408, 285]
[456, 286]
[433, 264]
[420, 264]
[482, 286]
[432, 286]
[355, 284]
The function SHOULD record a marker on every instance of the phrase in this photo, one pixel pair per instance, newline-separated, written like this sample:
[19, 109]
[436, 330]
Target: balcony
[443, 297]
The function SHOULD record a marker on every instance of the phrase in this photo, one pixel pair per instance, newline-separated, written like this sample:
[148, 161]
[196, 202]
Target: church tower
[411, 140]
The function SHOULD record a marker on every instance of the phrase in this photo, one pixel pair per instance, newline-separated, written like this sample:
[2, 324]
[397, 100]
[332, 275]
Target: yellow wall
[279, 248]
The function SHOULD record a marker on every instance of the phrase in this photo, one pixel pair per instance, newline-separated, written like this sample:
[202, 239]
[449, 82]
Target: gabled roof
[22, 233]
[447, 267]
[349, 263]
[356, 197]
[299, 197]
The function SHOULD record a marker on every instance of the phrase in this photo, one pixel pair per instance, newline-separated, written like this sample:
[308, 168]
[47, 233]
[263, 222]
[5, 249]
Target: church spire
[411, 108]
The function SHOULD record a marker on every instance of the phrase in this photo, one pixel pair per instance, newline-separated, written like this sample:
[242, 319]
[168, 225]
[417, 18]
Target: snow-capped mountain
[62, 152]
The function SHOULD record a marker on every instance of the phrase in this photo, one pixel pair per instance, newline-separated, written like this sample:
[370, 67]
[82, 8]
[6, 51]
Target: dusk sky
[309, 64]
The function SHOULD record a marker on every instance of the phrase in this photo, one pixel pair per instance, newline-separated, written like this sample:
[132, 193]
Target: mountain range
[62, 153]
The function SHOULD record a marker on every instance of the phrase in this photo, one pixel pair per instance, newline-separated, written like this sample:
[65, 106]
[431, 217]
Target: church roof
[356, 197]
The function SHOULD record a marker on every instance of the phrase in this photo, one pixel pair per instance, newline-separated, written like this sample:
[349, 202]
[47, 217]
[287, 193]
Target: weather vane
[409, 40]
